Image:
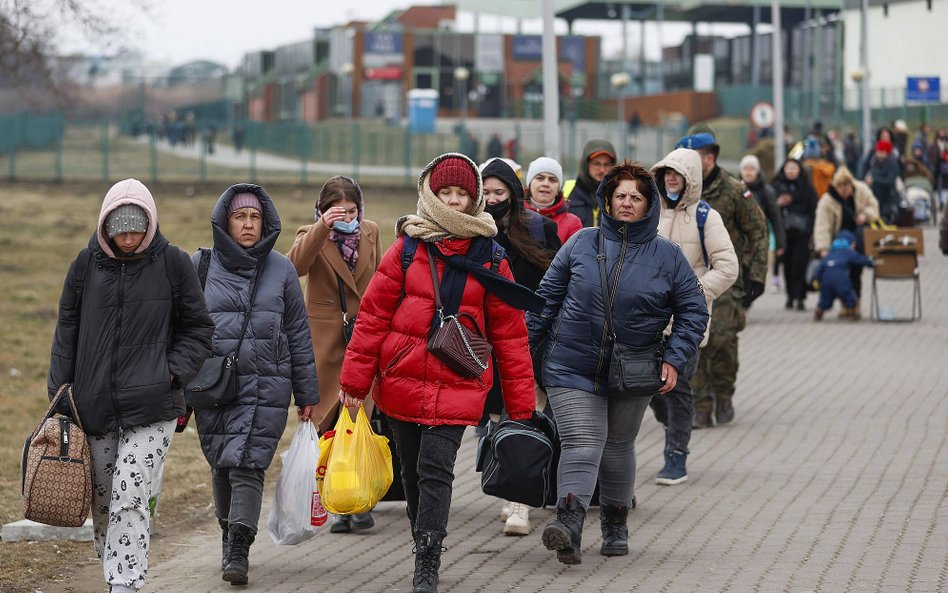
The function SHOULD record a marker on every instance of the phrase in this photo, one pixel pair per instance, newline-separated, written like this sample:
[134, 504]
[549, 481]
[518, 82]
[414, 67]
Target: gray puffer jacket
[276, 356]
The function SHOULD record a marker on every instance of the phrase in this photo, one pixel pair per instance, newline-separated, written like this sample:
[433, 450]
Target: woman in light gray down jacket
[275, 360]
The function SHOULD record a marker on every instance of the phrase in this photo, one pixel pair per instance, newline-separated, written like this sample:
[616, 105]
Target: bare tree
[30, 33]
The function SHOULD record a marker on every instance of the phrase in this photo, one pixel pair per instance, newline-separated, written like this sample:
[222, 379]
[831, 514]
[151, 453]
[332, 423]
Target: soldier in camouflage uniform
[716, 374]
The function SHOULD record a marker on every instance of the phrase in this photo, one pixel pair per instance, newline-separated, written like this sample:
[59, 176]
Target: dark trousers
[675, 409]
[427, 454]
[238, 493]
[796, 256]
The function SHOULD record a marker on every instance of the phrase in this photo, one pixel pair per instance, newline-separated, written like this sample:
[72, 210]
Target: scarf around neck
[435, 221]
[348, 246]
[459, 267]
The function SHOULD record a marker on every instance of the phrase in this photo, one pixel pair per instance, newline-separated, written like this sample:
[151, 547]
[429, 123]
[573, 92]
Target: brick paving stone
[832, 478]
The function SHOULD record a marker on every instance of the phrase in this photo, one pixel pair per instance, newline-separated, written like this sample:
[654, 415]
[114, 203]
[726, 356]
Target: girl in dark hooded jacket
[275, 361]
[132, 330]
[530, 241]
[649, 282]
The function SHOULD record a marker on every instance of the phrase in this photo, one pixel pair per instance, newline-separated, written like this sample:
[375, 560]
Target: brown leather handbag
[464, 351]
[56, 475]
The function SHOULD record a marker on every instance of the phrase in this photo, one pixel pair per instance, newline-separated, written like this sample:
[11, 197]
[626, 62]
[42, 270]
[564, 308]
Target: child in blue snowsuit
[833, 276]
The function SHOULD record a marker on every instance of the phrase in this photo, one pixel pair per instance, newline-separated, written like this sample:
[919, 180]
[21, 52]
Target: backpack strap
[496, 257]
[204, 265]
[83, 263]
[174, 277]
[408, 252]
[701, 216]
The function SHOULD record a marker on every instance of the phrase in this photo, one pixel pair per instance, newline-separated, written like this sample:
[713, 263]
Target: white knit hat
[750, 160]
[545, 164]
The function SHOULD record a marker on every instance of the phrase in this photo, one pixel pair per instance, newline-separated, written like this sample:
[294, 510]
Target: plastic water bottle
[318, 514]
[886, 312]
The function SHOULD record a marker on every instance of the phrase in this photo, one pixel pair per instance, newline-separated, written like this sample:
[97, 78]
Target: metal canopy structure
[792, 12]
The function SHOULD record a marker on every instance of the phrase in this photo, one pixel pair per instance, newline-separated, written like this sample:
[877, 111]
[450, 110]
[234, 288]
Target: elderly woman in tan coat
[714, 262]
[848, 204]
[338, 255]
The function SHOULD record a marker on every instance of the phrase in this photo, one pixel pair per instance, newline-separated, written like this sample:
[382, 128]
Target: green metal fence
[50, 148]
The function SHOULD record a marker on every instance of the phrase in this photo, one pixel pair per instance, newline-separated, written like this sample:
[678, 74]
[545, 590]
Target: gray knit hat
[127, 218]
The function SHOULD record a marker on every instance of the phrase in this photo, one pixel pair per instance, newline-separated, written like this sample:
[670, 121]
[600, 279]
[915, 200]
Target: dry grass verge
[42, 228]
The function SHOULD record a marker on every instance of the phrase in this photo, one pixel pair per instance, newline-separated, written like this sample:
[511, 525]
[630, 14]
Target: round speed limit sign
[763, 115]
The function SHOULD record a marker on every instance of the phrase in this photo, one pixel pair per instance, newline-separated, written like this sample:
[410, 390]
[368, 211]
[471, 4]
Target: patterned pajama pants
[126, 463]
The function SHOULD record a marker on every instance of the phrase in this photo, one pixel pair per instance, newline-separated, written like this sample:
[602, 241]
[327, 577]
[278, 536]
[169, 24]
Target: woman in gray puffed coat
[275, 361]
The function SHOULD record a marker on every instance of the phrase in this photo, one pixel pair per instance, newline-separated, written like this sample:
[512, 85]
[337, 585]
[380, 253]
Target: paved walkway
[833, 478]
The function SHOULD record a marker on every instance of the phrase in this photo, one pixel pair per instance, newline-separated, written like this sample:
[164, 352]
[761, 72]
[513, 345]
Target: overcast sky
[177, 31]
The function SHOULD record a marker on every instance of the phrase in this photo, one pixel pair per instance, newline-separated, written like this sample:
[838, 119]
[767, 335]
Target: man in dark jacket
[275, 361]
[598, 157]
[132, 330]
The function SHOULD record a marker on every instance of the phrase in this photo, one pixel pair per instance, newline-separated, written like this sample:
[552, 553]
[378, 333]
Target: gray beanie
[127, 218]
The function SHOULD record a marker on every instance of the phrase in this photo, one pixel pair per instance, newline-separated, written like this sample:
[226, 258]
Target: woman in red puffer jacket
[429, 404]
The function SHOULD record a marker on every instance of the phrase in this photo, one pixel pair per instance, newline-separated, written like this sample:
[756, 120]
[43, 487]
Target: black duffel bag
[516, 459]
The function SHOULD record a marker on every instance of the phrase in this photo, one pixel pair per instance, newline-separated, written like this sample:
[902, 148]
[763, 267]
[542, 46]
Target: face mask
[346, 228]
[673, 197]
[498, 210]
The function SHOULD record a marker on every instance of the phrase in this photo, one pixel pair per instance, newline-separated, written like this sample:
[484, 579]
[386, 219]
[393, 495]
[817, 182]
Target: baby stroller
[919, 195]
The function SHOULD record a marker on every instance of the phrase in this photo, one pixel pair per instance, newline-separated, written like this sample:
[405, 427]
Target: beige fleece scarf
[435, 221]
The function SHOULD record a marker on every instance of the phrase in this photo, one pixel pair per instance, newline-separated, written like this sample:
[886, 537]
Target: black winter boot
[225, 541]
[565, 533]
[427, 561]
[615, 532]
[238, 561]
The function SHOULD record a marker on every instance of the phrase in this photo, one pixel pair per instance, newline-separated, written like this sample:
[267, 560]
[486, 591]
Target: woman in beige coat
[342, 249]
[848, 204]
[714, 262]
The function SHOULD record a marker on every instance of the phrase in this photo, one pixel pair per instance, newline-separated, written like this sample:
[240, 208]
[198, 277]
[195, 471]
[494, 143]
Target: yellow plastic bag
[355, 466]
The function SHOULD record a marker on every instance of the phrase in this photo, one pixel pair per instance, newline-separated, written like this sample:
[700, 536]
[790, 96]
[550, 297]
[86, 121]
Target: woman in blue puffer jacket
[275, 361]
[652, 282]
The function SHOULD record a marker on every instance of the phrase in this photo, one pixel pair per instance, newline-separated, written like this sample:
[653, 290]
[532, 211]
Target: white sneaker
[518, 523]
[505, 510]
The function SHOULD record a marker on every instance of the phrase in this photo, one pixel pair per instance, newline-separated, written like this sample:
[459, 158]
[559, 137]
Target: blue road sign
[923, 89]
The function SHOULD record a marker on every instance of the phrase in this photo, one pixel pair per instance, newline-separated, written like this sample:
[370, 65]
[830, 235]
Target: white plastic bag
[296, 511]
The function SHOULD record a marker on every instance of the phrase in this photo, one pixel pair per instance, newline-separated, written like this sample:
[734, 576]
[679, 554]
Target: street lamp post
[462, 74]
[347, 69]
[620, 81]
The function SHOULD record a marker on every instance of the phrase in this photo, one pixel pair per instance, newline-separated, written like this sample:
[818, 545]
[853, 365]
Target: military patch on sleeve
[747, 194]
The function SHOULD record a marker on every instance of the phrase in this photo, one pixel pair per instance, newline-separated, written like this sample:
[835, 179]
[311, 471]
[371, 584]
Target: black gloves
[752, 290]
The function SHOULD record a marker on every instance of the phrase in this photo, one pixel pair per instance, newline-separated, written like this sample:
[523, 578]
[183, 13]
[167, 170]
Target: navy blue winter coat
[276, 357]
[655, 282]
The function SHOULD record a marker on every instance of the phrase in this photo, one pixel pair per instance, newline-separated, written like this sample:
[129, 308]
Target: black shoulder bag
[633, 371]
[348, 325]
[215, 385]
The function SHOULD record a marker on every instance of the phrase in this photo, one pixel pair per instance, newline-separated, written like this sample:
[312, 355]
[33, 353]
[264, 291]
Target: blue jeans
[597, 440]
[676, 408]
